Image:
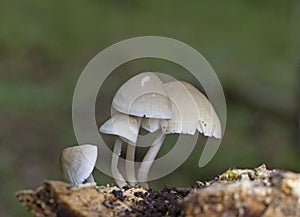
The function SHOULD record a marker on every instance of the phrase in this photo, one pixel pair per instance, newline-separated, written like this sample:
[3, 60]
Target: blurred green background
[253, 47]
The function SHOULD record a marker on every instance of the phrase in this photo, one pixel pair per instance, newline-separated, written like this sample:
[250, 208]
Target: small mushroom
[142, 96]
[126, 128]
[191, 111]
[77, 163]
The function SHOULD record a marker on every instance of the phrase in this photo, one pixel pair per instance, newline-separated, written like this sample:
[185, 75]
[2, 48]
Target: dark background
[253, 47]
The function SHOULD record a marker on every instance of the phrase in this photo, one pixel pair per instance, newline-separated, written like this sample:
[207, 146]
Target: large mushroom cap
[191, 111]
[184, 110]
[122, 125]
[77, 162]
[143, 95]
[217, 132]
[209, 123]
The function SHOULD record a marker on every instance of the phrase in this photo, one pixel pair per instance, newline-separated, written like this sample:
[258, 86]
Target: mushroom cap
[184, 110]
[143, 95]
[191, 111]
[122, 125]
[217, 132]
[209, 123]
[77, 162]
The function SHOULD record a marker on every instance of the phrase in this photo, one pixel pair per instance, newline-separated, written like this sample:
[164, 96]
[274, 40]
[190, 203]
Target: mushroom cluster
[144, 101]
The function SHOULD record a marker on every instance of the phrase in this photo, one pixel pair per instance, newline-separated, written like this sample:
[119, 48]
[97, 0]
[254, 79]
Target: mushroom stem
[129, 166]
[148, 160]
[130, 159]
[120, 181]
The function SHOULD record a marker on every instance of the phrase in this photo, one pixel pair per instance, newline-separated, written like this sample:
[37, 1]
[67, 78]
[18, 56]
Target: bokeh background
[253, 47]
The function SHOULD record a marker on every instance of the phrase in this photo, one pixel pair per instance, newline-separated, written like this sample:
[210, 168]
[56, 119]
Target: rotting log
[258, 192]
[56, 198]
[237, 192]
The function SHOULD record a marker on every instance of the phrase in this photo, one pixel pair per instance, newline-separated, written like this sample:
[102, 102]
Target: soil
[164, 202]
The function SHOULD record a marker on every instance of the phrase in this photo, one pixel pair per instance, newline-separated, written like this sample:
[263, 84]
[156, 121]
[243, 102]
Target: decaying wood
[237, 192]
[258, 192]
[56, 198]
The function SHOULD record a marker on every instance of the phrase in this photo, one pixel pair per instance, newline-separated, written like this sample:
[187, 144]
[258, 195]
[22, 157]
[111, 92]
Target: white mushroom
[209, 123]
[126, 128]
[77, 163]
[142, 96]
[191, 111]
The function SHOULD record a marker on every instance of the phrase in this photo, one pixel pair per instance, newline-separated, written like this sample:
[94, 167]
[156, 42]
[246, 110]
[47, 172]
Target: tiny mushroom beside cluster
[77, 163]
